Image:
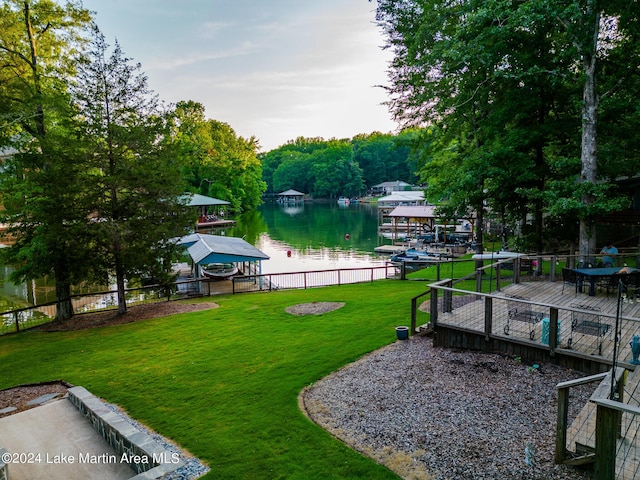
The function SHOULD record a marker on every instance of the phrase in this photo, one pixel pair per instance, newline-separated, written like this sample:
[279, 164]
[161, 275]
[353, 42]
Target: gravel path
[439, 414]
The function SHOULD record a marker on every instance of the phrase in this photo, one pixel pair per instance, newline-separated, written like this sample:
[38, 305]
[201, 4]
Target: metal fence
[30, 317]
[312, 279]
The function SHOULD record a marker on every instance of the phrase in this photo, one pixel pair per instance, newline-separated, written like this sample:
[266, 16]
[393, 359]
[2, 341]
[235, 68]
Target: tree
[39, 42]
[497, 82]
[218, 162]
[137, 186]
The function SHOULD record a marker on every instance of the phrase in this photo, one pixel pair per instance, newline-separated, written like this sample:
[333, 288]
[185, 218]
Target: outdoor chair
[611, 284]
[585, 323]
[569, 277]
[633, 287]
[521, 312]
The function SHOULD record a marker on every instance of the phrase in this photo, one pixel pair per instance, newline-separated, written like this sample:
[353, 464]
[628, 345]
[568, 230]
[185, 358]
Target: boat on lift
[219, 271]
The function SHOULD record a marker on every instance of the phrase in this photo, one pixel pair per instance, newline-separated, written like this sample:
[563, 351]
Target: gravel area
[433, 413]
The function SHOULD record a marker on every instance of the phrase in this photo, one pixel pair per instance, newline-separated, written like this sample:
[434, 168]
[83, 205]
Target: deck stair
[582, 432]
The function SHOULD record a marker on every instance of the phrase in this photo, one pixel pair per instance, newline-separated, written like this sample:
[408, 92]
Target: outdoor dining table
[593, 275]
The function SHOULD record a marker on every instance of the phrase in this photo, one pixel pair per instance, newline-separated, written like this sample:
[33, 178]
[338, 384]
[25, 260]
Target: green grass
[223, 383]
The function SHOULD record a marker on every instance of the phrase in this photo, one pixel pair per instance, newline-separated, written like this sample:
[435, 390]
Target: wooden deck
[581, 434]
[545, 294]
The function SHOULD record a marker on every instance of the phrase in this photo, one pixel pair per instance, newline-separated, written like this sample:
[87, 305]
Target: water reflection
[297, 237]
[313, 236]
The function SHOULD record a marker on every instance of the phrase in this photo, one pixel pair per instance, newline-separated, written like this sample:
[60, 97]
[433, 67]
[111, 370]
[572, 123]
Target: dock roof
[197, 200]
[205, 249]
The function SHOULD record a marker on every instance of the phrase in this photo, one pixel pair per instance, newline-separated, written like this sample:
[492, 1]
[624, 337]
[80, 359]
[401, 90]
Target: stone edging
[146, 457]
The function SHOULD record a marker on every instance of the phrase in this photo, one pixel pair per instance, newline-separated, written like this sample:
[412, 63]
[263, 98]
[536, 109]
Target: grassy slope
[223, 383]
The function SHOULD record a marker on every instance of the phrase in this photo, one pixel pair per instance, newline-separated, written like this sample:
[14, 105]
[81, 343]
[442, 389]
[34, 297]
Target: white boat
[344, 201]
[219, 271]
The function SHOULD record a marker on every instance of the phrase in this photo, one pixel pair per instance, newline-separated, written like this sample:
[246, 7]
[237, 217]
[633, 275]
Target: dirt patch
[20, 396]
[313, 308]
[133, 314]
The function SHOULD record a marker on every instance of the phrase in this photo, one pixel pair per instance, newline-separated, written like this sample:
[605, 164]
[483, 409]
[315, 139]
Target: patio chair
[587, 323]
[522, 312]
[569, 277]
[633, 286]
[611, 284]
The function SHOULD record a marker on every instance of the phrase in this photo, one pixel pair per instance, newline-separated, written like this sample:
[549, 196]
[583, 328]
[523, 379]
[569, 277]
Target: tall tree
[39, 41]
[137, 186]
[218, 162]
[498, 80]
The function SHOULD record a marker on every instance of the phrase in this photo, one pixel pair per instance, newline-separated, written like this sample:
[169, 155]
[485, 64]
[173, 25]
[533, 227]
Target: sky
[272, 69]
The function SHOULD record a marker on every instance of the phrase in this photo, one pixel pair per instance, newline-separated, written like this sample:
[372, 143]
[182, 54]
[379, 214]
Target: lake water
[319, 236]
[313, 236]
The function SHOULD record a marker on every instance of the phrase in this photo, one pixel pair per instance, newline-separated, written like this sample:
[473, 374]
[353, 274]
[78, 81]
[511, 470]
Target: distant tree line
[347, 167]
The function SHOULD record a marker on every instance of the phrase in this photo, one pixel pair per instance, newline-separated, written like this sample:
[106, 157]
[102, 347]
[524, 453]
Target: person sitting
[607, 260]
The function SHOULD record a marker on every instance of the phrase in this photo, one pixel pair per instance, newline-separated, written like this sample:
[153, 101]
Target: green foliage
[500, 85]
[41, 186]
[134, 182]
[217, 162]
[333, 168]
[225, 381]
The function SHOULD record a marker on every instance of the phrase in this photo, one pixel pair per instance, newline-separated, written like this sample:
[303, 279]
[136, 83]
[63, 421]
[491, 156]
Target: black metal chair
[633, 286]
[614, 280]
[570, 277]
[587, 323]
[522, 312]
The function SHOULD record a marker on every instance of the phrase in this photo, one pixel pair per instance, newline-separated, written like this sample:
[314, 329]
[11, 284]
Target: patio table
[593, 275]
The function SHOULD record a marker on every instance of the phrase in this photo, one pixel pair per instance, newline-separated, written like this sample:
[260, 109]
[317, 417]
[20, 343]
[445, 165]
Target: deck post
[562, 424]
[478, 281]
[552, 272]
[553, 331]
[414, 312]
[488, 317]
[447, 299]
[433, 307]
[516, 270]
[607, 421]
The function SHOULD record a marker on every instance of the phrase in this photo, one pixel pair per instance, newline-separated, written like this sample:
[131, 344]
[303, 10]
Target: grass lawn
[223, 383]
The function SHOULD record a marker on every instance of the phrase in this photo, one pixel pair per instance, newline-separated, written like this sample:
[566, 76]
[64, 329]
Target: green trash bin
[545, 331]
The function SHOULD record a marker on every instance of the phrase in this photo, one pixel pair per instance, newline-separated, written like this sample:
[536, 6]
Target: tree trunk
[122, 301]
[64, 307]
[589, 154]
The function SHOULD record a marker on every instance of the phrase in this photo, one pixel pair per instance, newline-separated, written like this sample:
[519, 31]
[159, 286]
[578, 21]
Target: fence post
[562, 424]
[488, 317]
[15, 316]
[553, 330]
[607, 420]
[447, 299]
[414, 312]
[433, 307]
[552, 272]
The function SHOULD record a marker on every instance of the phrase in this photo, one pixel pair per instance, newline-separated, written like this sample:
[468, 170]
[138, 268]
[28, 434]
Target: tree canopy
[507, 96]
